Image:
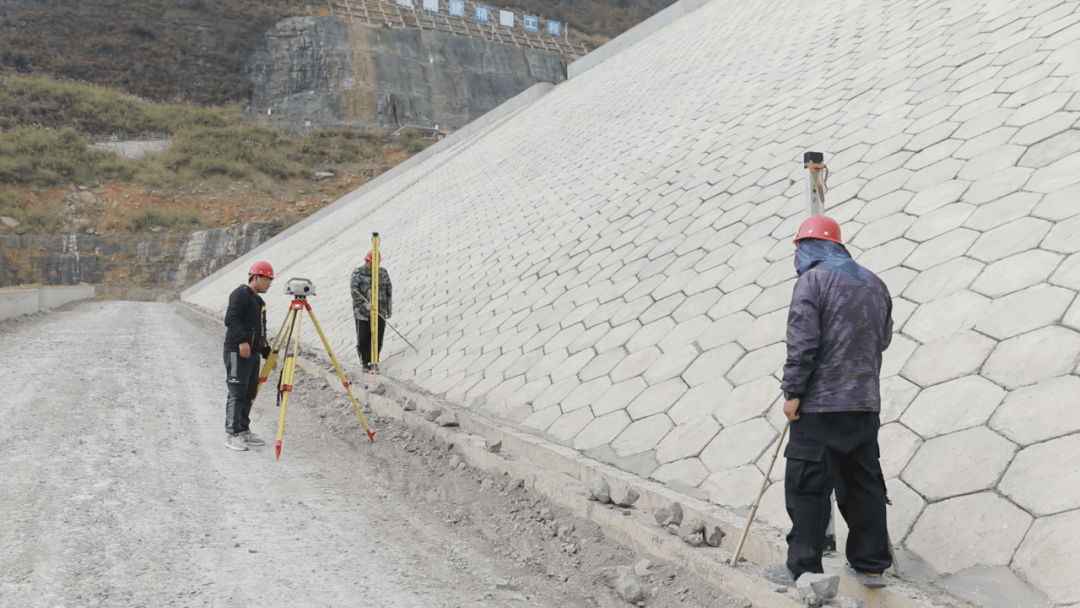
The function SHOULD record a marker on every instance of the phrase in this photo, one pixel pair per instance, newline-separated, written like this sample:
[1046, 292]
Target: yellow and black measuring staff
[374, 303]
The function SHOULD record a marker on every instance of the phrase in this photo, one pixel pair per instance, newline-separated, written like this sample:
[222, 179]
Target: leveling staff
[245, 340]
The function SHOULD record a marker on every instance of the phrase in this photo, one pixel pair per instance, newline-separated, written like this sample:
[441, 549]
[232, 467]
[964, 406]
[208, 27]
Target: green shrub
[415, 145]
[409, 134]
[30, 222]
[184, 220]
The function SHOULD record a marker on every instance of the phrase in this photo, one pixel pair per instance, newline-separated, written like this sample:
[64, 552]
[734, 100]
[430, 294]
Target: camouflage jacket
[361, 284]
[839, 323]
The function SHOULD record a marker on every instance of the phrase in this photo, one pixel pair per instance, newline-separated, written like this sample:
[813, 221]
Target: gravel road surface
[117, 490]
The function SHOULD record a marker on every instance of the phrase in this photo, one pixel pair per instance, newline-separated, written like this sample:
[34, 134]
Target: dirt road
[116, 490]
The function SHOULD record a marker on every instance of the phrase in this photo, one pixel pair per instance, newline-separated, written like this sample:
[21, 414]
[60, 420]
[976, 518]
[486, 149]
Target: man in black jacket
[360, 285]
[839, 323]
[245, 340]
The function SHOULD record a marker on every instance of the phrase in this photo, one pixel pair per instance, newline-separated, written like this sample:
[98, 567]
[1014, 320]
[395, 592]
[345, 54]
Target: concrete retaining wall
[28, 301]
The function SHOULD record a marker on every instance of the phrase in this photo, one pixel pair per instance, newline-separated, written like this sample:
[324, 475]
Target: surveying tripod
[287, 342]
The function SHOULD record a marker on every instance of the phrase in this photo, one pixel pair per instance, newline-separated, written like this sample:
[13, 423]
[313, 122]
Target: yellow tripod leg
[272, 359]
[286, 386]
[341, 376]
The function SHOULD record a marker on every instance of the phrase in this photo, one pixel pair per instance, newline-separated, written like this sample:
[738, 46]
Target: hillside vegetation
[48, 125]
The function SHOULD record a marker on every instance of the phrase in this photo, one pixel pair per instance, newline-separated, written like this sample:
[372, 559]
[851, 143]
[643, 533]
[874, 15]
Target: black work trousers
[363, 338]
[242, 378]
[836, 451]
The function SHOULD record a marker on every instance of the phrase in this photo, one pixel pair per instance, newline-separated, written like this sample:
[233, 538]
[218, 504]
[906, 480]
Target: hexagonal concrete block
[1048, 556]
[953, 406]
[896, 356]
[687, 473]
[1039, 412]
[724, 330]
[943, 279]
[1024, 311]
[588, 393]
[567, 426]
[940, 249]
[1032, 357]
[748, 401]
[939, 221]
[1010, 239]
[687, 440]
[959, 463]
[738, 445]
[1016, 272]
[671, 364]
[896, 395]
[642, 435]
[897, 444]
[601, 430]
[700, 400]
[761, 362]
[1068, 273]
[713, 364]
[957, 355]
[976, 530]
[904, 510]
[765, 330]
[1040, 481]
[656, 399]
[734, 488]
[634, 364]
[946, 316]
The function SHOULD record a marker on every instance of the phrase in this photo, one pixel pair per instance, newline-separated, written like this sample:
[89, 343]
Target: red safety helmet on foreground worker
[263, 269]
[369, 254]
[819, 227]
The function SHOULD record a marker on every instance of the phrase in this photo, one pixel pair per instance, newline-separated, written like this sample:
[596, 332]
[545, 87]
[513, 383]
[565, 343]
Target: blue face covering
[811, 252]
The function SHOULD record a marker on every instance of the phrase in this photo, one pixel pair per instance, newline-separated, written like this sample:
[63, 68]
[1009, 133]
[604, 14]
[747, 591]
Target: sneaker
[778, 574]
[866, 578]
[252, 439]
[236, 442]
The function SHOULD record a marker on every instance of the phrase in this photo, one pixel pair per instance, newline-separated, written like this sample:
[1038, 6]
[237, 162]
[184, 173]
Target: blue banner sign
[431, 5]
[530, 23]
[482, 13]
[457, 8]
[554, 28]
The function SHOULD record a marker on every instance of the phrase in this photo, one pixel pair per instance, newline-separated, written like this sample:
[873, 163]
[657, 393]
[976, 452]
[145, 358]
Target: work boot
[252, 439]
[778, 574]
[236, 442]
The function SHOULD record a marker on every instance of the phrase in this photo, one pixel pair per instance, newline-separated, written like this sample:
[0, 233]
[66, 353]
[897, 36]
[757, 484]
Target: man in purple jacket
[839, 323]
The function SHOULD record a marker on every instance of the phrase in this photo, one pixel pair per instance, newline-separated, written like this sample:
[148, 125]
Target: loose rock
[669, 513]
[623, 495]
[599, 490]
[493, 444]
[629, 589]
[816, 589]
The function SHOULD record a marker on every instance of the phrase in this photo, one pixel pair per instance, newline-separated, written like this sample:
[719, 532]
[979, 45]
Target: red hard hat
[819, 227]
[261, 268]
[368, 257]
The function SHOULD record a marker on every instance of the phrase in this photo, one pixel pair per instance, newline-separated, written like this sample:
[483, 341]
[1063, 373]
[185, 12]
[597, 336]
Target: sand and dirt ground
[117, 490]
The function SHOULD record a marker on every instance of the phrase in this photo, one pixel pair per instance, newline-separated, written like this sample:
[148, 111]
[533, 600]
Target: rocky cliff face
[165, 260]
[319, 72]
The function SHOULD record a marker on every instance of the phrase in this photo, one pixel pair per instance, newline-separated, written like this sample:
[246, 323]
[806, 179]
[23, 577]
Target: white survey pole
[816, 172]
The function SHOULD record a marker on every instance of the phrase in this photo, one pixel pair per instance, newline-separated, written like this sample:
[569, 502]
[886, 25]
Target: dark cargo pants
[242, 378]
[836, 451]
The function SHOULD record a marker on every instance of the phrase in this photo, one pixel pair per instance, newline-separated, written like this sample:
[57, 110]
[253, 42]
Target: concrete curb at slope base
[562, 475]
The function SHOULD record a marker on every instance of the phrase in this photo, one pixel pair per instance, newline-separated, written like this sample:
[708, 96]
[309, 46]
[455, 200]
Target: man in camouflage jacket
[839, 323]
[360, 287]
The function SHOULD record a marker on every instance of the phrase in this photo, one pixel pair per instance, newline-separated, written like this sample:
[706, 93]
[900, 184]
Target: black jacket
[245, 321]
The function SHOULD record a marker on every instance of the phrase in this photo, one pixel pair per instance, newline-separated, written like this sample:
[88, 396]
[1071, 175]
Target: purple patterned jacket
[839, 323]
